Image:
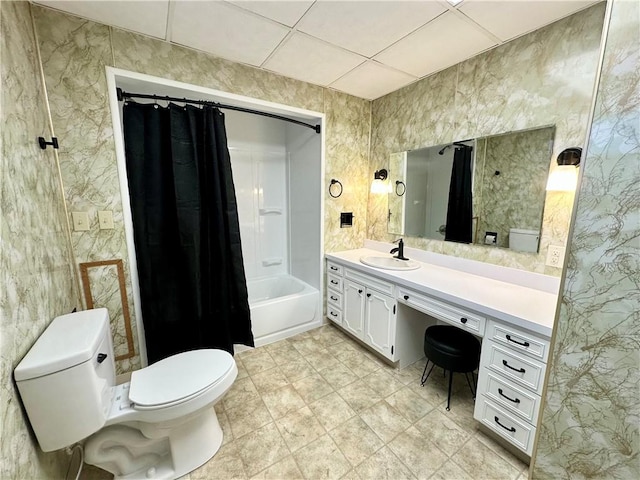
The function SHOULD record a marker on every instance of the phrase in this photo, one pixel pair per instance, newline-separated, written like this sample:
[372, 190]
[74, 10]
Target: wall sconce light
[378, 185]
[381, 174]
[564, 178]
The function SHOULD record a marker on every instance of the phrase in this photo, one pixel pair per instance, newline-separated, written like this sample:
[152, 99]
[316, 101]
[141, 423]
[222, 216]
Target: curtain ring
[333, 182]
[404, 188]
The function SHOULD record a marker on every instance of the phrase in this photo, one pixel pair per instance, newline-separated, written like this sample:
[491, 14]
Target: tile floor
[320, 406]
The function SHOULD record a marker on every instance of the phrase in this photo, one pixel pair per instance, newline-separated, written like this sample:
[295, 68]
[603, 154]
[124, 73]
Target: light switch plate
[80, 221]
[105, 218]
[555, 256]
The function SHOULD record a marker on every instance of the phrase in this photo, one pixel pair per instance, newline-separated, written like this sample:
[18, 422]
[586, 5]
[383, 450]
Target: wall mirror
[486, 191]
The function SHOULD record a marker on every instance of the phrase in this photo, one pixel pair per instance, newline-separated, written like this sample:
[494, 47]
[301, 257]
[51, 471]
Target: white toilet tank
[66, 379]
[523, 240]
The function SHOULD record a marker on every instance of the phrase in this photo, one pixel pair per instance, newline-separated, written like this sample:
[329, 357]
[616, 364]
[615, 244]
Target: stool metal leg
[449, 394]
[424, 379]
[469, 383]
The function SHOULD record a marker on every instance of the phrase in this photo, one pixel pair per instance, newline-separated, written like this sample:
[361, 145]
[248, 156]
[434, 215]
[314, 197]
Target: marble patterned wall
[75, 52]
[543, 78]
[36, 269]
[590, 426]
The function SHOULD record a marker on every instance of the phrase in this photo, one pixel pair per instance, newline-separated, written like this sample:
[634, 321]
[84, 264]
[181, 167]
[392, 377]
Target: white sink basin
[389, 263]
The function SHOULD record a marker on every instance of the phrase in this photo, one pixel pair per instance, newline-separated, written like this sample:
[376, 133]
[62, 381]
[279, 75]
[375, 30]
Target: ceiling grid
[364, 48]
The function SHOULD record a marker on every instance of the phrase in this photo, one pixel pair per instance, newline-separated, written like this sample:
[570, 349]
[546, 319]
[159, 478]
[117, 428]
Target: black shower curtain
[459, 209]
[186, 231]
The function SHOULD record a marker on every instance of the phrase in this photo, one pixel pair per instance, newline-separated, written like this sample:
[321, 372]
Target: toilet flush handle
[102, 357]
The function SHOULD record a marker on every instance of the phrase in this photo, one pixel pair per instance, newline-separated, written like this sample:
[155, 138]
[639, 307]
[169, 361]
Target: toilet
[160, 425]
[523, 240]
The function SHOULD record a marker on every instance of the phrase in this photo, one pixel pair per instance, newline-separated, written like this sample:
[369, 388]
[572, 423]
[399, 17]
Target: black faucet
[399, 249]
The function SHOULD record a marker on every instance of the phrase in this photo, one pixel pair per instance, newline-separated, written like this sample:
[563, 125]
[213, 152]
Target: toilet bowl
[161, 424]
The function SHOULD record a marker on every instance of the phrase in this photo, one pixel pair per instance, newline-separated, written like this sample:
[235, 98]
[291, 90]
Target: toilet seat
[178, 378]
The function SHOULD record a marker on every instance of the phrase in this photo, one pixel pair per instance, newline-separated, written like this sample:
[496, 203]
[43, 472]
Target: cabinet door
[380, 322]
[353, 313]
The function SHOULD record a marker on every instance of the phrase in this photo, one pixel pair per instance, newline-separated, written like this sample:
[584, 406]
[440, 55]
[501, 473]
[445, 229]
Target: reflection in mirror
[508, 177]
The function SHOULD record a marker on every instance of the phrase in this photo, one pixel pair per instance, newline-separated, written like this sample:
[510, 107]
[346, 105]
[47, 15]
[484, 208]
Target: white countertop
[519, 305]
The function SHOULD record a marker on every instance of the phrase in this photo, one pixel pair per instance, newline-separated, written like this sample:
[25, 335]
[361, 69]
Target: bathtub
[282, 306]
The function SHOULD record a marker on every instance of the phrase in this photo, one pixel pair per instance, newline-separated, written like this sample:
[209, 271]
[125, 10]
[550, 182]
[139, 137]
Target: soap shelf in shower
[270, 211]
[269, 262]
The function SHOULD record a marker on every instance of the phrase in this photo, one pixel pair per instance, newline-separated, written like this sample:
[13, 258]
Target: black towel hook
[43, 143]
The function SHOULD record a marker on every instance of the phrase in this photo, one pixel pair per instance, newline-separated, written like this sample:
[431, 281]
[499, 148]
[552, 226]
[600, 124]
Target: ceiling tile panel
[148, 18]
[367, 27]
[287, 13]
[226, 31]
[447, 40]
[509, 19]
[372, 80]
[311, 60]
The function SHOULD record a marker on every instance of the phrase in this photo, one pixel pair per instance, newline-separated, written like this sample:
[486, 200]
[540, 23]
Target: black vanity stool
[452, 349]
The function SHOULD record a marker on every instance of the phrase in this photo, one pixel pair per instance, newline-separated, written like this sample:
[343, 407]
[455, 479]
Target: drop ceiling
[363, 48]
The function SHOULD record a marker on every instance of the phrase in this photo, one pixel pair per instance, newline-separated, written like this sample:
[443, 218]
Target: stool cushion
[452, 348]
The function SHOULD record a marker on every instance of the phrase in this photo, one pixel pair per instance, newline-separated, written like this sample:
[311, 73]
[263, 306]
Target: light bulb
[563, 178]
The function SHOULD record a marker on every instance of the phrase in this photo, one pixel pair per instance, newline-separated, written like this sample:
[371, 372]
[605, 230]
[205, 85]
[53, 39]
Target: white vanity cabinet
[334, 292]
[459, 317]
[390, 312]
[380, 323]
[354, 305]
[368, 308]
[370, 311]
[510, 382]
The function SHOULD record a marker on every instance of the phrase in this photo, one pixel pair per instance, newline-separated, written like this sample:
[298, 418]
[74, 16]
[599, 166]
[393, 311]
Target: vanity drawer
[522, 370]
[454, 315]
[334, 268]
[519, 340]
[334, 282]
[512, 398]
[370, 282]
[334, 298]
[334, 314]
[519, 433]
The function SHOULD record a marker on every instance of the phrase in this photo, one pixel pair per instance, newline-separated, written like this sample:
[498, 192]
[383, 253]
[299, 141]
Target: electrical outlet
[80, 221]
[105, 219]
[555, 256]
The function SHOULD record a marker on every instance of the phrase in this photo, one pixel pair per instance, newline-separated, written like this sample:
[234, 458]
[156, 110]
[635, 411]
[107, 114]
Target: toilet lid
[178, 377]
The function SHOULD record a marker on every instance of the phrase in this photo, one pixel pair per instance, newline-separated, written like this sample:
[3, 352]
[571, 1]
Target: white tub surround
[282, 306]
[389, 311]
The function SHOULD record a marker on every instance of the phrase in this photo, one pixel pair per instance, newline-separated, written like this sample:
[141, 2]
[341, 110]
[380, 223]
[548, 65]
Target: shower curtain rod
[122, 95]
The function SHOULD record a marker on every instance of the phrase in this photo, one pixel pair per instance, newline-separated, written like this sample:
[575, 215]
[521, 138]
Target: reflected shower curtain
[186, 231]
[459, 209]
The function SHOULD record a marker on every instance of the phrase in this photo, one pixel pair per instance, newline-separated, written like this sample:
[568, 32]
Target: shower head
[441, 152]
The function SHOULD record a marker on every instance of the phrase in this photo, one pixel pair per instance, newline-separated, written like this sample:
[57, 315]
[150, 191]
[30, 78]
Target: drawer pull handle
[514, 400]
[463, 320]
[359, 291]
[497, 420]
[333, 268]
[333, 314]
[334, 282]
[525, 344]
[406, 297]
[334, 298]
[519, 370]
[368, 294]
